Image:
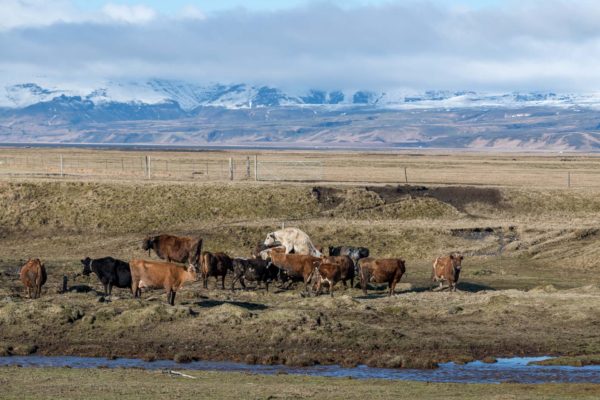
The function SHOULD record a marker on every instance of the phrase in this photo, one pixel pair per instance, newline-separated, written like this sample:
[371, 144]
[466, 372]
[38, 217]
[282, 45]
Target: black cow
[253, 270]
[110, 271]
[355, 253]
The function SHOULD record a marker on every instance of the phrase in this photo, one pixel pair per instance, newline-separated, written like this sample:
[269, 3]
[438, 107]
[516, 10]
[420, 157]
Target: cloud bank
[527, 45]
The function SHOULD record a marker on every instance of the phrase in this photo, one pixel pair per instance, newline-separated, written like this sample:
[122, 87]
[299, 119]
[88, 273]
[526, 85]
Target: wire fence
[151, 167]
[309, 167]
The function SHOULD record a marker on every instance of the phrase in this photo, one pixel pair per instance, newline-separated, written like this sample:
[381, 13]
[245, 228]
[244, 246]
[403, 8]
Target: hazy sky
[488, 45]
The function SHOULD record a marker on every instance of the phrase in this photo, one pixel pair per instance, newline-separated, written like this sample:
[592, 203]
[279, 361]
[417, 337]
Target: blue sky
[485, 45]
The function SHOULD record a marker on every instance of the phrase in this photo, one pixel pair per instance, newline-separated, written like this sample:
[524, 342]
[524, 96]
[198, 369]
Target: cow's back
[443, 268]
[150, 273]
[179, 248]
[33, 273]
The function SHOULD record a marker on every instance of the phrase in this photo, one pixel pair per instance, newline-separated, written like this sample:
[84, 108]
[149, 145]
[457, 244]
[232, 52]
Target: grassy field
[432, 167]
[529, 284]
[55, 383]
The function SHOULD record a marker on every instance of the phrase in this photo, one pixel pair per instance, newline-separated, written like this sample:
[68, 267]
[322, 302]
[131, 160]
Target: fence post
[247, 167]
[147, 167]
[230, 168]
[405, 176]
[62, 171]
[255, 167]
[569, 179]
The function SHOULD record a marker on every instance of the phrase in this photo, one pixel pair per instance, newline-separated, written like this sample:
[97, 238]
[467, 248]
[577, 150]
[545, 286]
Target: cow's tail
[315, 270]
[435, 264]
[198, 252]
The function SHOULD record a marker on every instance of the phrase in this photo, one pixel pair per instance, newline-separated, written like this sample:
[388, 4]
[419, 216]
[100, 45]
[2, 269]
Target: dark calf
[110, 271]
[217, 265]
[253, 270]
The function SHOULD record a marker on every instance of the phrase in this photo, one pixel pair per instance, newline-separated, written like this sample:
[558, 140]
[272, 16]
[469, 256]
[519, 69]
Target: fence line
[174, 167]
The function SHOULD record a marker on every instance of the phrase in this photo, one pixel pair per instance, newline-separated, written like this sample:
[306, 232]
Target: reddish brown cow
[181, 249]
[329, 273]
[33, 275]
[217, 265]
[297, 266]
[160, 275]
[447, 268]
[384, 270]
[346, 266]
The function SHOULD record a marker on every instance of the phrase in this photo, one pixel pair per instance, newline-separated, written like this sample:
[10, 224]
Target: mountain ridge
[176, 113]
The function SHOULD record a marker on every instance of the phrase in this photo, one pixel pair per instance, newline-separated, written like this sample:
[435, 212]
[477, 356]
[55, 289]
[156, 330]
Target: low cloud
[130, 14]
[534, 45]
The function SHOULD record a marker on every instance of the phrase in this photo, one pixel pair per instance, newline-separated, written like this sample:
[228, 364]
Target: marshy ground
[529, 284]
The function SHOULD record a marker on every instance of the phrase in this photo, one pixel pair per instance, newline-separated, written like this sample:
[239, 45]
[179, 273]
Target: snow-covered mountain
[178, 113]
[241, 96]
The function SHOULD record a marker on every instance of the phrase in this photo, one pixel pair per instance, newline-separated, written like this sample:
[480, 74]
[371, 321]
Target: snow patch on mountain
[242, 96]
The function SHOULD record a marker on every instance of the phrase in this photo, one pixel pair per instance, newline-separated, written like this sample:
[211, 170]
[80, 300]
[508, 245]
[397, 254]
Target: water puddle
[505, 370]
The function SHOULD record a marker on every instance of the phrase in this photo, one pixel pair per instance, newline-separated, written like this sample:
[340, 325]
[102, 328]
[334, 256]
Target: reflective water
[505, 370]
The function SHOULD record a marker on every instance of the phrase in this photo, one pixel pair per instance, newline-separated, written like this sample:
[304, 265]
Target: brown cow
[217, 265]
[181, 249]
[296, 266]
[160, 275]
[346, 266]
[383, 270]
[329, 273]
[33, 275]
[447, 268]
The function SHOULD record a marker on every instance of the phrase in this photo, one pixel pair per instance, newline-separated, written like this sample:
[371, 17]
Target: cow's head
[270, 240]
[457, 260]
[87, 263]
[194, 271]
[363, 252]
[148, 243]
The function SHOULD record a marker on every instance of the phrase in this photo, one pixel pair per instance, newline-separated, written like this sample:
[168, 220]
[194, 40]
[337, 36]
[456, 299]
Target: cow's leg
[105, 288]
[134, 288]
[393, 287]
[110, 285]
[223, 282]
[233, 281]
[243, 283]
[331, 288]
[267, 286]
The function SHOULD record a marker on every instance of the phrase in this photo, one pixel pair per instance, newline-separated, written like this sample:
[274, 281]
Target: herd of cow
[287, 256]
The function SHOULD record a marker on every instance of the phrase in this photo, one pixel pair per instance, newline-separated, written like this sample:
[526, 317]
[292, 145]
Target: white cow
[294, 240]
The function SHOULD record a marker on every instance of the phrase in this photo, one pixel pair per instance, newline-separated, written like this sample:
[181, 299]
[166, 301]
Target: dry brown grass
[425, 167]
[130, 384]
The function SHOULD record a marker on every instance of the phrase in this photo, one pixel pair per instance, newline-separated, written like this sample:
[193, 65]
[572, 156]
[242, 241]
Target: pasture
[529, 284]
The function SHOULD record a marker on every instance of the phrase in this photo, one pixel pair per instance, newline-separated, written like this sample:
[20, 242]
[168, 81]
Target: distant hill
[175, 112]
